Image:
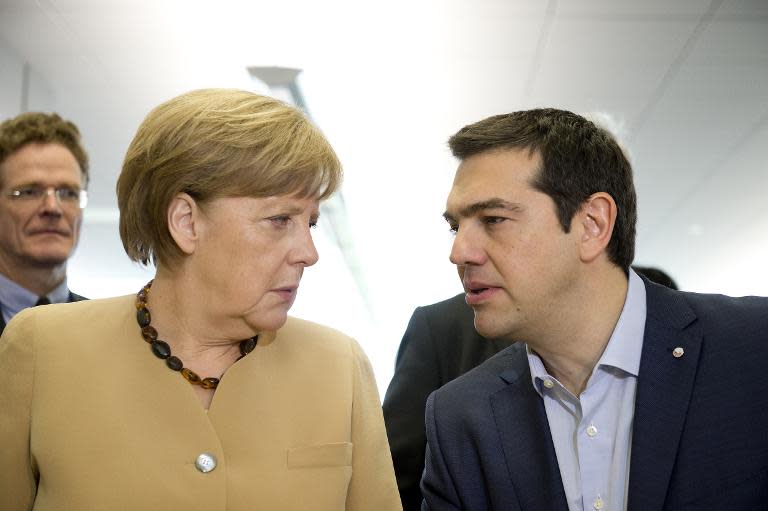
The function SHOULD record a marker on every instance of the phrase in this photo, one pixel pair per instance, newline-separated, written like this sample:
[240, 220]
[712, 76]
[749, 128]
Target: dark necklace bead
[247, 345]
[149, 333]
[162, 350]
[143, 317]
[174, 363]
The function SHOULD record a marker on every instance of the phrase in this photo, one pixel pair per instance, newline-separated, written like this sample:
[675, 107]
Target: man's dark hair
[578, 159]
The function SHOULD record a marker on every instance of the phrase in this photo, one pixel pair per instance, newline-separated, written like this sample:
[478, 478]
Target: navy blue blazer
[700, 431]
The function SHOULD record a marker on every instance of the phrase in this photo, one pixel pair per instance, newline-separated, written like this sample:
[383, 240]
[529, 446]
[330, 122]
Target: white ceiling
[685, 82]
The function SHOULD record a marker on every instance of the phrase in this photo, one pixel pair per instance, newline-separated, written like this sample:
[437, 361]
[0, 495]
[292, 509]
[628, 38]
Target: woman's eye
[281, 220]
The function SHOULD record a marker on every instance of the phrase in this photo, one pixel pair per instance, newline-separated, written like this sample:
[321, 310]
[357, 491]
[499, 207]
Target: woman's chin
[268, 322]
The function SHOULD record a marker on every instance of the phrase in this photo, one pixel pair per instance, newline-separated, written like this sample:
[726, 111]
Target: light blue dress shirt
[14, 298]
[592, 433]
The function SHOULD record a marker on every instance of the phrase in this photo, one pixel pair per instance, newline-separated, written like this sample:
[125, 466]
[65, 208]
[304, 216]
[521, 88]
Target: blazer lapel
[526, 441]
[668, 365]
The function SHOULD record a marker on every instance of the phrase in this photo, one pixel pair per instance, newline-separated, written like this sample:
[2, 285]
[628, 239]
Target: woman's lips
[286, 293]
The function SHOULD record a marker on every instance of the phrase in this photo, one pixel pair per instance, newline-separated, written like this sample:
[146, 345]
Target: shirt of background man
[14, 298]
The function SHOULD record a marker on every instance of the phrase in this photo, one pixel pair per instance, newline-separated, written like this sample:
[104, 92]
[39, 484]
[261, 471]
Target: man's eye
[493, 220]
[69, 194]
[454, 228]
[29, 192]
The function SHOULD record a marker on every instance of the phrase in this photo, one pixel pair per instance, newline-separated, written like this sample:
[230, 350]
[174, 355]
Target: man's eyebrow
[493, 203]
[40, 184]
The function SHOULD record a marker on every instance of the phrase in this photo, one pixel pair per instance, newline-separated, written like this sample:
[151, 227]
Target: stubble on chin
[48, 258]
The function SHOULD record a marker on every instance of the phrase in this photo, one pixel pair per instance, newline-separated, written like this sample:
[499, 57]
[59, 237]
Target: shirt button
[598, 503]
[548, 383]
[591, 431]
[205, 462]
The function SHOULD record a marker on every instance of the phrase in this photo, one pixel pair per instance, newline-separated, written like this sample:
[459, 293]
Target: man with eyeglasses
[43, 176]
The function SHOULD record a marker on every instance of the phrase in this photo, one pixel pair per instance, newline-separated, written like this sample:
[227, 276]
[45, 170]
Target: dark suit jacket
[439, 345]
[72, 298]
[700, 431]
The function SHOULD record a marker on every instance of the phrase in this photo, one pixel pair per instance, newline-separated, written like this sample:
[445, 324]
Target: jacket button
[205, 462]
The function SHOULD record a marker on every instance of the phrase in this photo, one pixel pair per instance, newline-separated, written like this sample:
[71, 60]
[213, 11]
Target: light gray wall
[21, 86]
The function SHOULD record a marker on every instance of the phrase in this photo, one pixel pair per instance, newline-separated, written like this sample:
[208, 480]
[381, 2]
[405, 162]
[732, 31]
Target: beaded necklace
[162, 350]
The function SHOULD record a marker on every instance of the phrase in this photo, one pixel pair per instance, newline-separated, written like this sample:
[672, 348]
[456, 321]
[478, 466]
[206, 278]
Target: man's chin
[48, 259]
[491, 327]
[486, 327]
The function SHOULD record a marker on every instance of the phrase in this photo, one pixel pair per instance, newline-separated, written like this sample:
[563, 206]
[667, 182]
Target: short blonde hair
[214, 143]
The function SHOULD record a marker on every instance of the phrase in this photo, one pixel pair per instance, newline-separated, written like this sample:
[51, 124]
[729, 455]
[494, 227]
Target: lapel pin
[678, 352]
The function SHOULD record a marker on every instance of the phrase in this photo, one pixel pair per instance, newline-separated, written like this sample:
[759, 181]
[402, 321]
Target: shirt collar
[14, 298]
[625, 345]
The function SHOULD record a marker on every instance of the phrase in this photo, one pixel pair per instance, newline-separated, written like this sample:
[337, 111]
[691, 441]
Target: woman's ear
[183, 217]
[597, 217]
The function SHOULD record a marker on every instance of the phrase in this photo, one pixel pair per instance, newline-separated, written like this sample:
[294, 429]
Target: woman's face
[250, 256]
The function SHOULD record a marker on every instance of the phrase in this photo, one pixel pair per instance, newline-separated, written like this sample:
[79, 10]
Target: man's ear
[183, 219]
[597, 217]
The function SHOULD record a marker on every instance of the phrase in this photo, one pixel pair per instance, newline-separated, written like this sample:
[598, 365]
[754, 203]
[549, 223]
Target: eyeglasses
[66, 195]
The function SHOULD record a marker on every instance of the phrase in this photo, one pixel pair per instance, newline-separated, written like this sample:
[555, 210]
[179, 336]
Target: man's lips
[59, 232]
[478, 292]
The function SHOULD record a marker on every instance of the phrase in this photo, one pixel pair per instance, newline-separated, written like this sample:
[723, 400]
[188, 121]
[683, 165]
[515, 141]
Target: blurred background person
[200, 392]
[43, 176]
[656, 275]
[440, 344]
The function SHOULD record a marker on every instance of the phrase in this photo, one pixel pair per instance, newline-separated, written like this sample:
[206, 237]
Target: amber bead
[149, 333]
[143, 317]
[160, 349]
[248, 345]
[174, 363]
[209, 383]
[190, 376]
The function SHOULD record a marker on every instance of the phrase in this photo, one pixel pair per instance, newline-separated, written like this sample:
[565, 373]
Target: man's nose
[466, 248]
[51, 202]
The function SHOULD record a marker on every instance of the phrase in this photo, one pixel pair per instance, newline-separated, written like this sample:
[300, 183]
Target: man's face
[515, 261]
[44, 232]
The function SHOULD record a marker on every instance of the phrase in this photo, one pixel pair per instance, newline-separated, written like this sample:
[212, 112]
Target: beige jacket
[91, 420]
